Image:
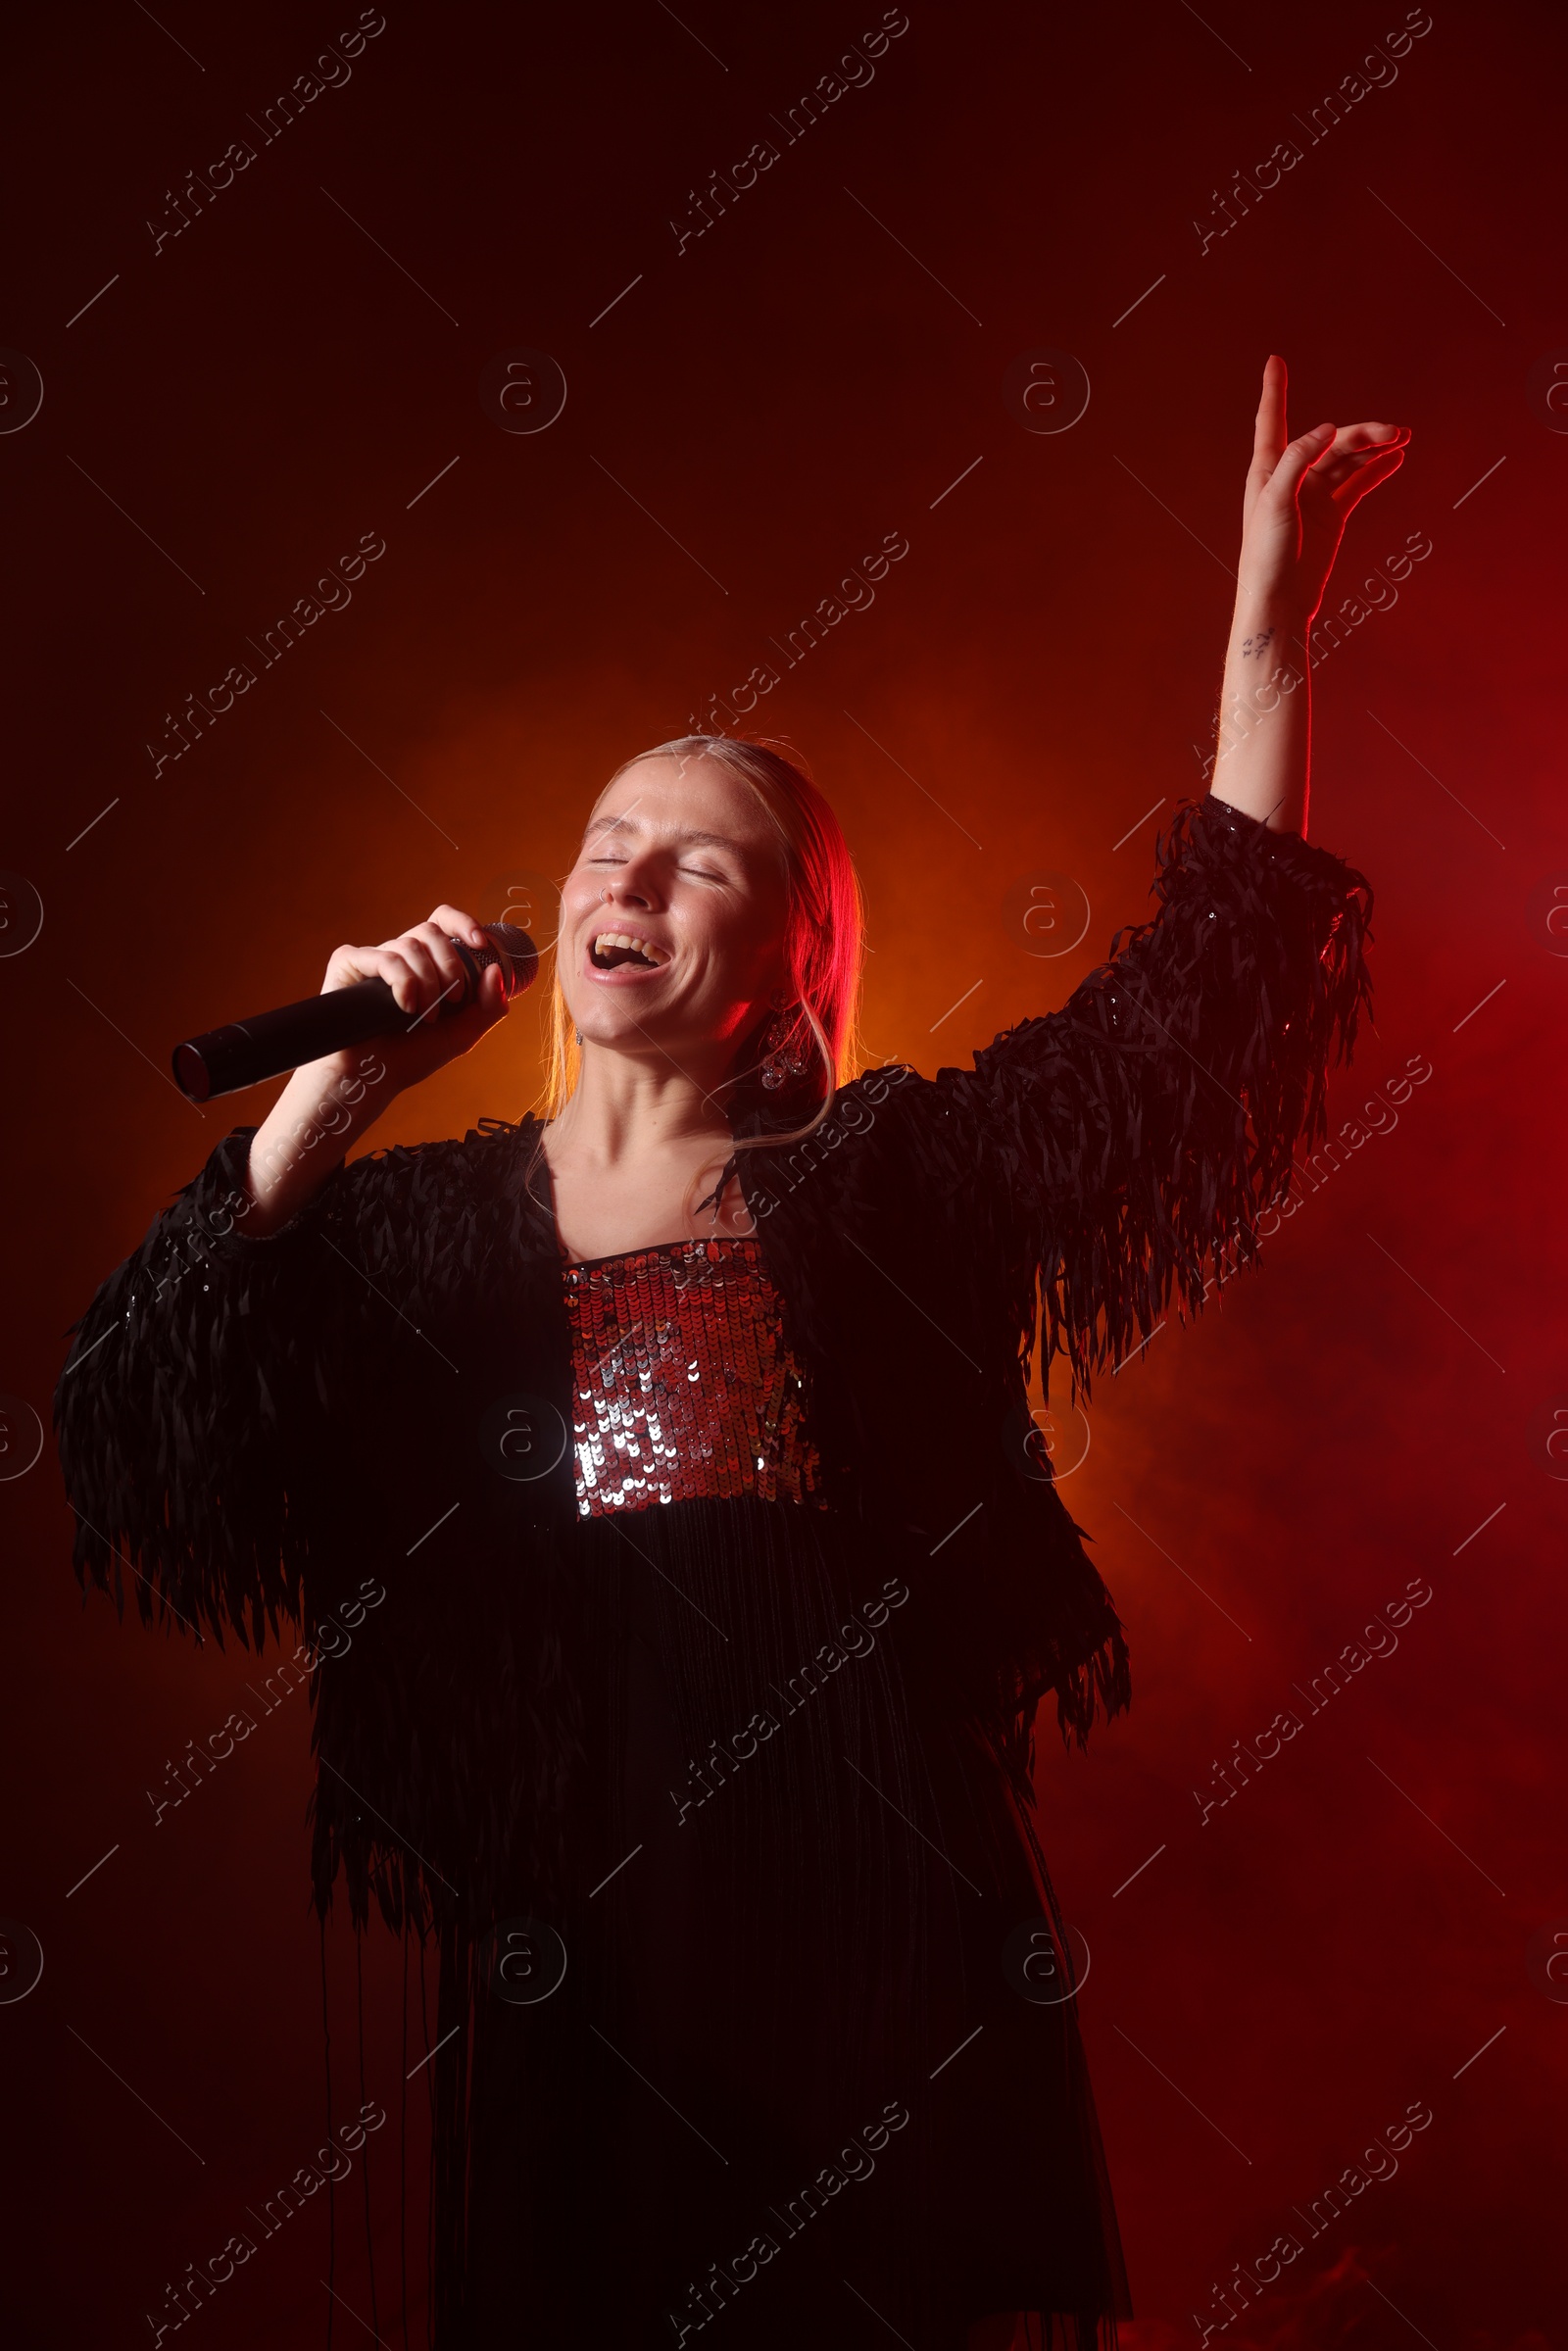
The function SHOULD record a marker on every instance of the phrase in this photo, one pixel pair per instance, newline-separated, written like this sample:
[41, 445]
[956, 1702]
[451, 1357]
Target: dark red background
[1043, 661]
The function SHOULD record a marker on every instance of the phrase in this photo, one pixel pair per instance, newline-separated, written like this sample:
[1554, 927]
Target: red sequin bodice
[683, 1387]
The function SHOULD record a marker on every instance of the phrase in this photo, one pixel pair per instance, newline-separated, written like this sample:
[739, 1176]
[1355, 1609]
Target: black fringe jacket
[264, 1428]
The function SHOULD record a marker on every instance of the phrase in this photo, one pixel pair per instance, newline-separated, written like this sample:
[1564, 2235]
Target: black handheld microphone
[263, 1047]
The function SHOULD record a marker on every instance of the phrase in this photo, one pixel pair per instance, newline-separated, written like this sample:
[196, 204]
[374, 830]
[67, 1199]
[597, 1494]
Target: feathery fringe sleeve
[1130, 1141]
[190, 1415]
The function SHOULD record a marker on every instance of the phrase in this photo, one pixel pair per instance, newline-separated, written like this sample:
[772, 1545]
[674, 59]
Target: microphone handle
[244, 1052]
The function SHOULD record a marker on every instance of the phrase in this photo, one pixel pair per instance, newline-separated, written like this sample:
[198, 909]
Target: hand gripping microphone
[266, 1044]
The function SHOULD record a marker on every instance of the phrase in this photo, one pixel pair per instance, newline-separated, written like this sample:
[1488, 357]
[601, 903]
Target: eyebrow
[690, 840]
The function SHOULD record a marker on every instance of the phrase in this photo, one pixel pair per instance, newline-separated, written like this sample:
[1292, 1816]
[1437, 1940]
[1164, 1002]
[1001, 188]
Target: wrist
[1263, 604]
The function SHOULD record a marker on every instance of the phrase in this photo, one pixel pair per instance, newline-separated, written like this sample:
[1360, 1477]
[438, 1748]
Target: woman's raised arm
[1125, 1145]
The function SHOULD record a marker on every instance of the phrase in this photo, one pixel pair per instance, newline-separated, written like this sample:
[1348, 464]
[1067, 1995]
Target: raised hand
[327, 1103]
[1300, 495]
[422, 971]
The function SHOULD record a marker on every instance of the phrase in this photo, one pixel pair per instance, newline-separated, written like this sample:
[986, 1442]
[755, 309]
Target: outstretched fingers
[1361, 456]
[1374, 469]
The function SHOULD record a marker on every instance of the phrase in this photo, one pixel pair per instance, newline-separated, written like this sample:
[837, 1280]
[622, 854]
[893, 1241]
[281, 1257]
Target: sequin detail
[682, 1385]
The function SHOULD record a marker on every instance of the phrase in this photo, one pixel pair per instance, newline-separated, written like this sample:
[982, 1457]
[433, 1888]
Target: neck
[626, 1107]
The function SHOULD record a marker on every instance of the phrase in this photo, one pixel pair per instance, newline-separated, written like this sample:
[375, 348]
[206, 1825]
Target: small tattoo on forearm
[1258, 645]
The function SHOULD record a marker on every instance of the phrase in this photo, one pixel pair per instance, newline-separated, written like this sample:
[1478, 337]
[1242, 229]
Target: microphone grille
[517, 954]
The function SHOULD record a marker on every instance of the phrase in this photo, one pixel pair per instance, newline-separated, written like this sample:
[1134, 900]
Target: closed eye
[702, 873]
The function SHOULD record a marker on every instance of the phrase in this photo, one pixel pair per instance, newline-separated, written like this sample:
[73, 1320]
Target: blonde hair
[823, 938]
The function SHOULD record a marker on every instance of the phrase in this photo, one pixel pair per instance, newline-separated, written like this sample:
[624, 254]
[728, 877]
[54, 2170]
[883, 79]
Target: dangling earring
[782, 1054]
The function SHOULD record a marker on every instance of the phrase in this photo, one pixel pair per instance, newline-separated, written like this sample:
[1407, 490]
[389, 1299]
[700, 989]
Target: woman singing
[668, 1456]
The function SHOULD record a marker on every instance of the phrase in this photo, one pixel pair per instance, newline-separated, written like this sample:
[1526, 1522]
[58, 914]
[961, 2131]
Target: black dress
[813, 2054]
[756, 2016]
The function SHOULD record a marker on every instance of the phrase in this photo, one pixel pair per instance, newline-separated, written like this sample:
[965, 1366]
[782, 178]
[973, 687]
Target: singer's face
[672, 918]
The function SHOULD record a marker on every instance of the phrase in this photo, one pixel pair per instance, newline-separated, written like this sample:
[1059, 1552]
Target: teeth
[628, 941]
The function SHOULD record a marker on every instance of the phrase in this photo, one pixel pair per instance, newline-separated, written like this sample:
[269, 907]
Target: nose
[627, 890]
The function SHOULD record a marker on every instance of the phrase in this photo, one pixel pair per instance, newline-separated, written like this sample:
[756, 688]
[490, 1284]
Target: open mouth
[611, 948]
